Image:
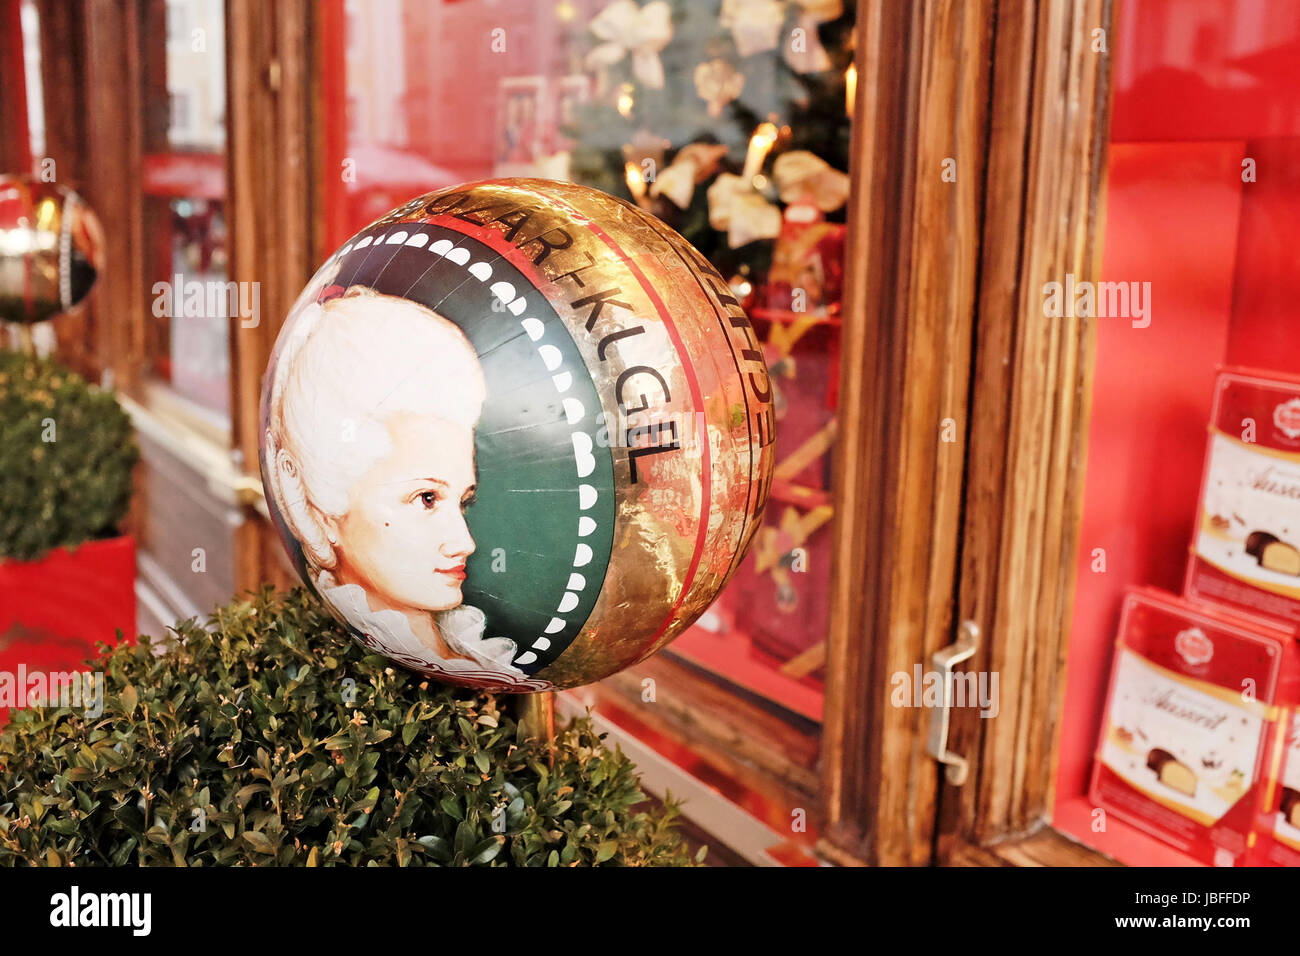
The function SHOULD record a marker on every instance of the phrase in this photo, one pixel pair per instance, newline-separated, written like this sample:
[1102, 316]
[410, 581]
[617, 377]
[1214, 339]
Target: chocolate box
[1245, 550]
[1189, 714]
[1278, 837]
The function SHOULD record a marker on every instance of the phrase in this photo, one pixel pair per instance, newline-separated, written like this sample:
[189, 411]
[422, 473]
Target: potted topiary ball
[268, 737]
[66, 572]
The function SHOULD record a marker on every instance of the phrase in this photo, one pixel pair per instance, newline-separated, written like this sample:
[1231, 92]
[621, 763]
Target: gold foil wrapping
[677, 368]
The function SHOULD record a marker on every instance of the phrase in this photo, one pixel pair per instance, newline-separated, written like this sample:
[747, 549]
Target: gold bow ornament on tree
[756, 26]
[691, 166]
[808, 55]
[735, 206]
[803, 177]
[629, 30]
[718, 82]
[740, 211]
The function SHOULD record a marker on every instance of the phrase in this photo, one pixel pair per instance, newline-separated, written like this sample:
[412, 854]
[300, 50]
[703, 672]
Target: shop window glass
[31, 26]
[184, 205]
[1203, 199]
[730, 121]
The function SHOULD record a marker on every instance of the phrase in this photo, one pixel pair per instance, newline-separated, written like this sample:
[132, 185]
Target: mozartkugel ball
[51, 249]
[517, 435]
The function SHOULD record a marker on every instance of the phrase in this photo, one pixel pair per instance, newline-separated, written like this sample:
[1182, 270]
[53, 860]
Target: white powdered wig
[345, 368]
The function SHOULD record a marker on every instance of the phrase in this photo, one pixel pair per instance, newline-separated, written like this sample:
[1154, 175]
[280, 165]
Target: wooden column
[978, 130]
[63, 84]
[1043, 219]
[114, 182]
[15, 135]
[269, 201]
[920, 134]
[63, 71]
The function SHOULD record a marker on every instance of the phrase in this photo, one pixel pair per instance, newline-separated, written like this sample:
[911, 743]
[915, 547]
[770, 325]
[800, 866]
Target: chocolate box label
[1186, 744]
[1189, 713]
[1246, 544]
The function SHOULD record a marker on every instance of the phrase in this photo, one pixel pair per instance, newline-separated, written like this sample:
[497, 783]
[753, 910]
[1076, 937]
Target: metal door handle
[968, 638]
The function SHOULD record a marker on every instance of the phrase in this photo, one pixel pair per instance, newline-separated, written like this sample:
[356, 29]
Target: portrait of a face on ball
[517, 435]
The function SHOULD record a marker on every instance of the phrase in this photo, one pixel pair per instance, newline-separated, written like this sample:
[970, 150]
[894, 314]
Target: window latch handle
[944, 660]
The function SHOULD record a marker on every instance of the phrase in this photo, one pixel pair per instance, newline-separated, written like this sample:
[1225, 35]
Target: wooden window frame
[273, 133]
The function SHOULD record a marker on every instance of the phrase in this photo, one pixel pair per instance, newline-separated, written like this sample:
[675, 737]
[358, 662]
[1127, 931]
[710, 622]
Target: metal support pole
[536, 716]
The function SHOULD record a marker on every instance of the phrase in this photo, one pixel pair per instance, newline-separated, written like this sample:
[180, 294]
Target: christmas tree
[684, 90]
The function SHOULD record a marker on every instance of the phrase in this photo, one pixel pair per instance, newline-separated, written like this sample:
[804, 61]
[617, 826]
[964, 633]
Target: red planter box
[53, 611]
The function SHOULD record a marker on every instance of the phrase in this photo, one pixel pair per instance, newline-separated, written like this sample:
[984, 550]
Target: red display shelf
[796, 850]
[1076, 816]
[730, 654]
[1217, 247]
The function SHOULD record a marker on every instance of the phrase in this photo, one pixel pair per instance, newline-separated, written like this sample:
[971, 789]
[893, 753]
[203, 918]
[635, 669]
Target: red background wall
[1199, 86]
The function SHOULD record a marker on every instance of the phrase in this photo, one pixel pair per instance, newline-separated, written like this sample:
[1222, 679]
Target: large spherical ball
[517, 434]
[51, 249]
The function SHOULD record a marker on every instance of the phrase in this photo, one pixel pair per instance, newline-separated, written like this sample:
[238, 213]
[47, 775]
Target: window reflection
[185, 188]
[730, 121]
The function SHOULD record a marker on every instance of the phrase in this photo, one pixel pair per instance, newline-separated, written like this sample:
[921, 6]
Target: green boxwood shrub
[270, 737]
[66, 455]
